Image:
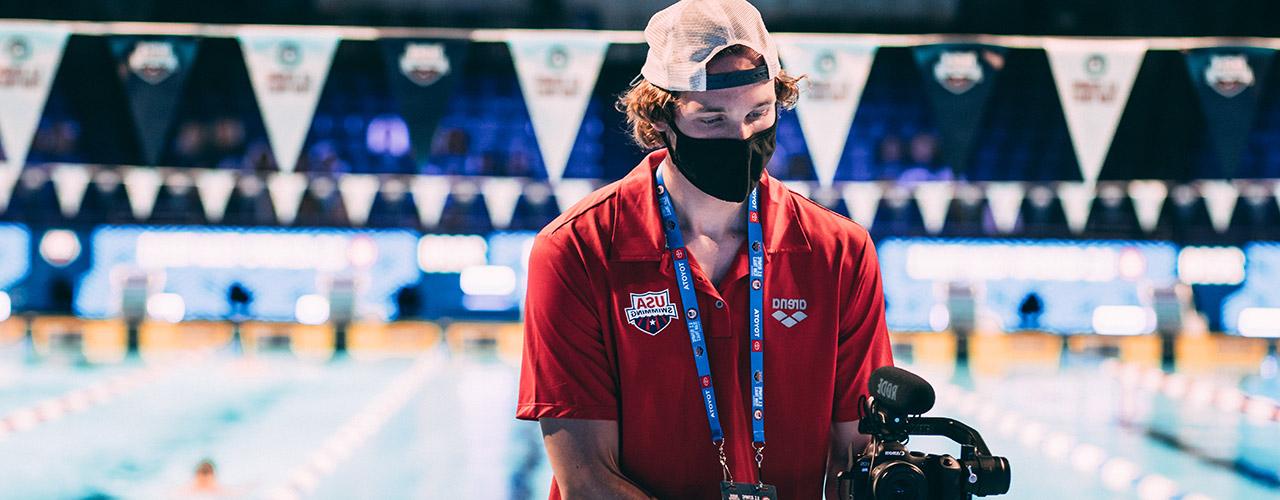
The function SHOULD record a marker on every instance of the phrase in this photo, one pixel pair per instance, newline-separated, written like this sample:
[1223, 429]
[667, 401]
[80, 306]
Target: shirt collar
[637, 226]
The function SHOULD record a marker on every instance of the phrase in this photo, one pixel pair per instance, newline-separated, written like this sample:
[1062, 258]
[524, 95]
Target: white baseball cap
[685, 36]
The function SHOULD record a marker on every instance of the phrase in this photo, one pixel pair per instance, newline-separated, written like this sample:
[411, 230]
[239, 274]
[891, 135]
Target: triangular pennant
[501, 195]
[215, 187]
[154, 70]
[29, 59]
[863, 200]
[836, 73]
[801, 188]
[8, 179]
[570, 191]
[1004, 199]
[557, 72]
[1148, 200]
[958, 80]
[286, 190]
[1220, 199]
[1094, 78]
[288, 68]
[429, 195]
[142, 185]
[423, 74]
[1229, 81]
[1077, 201]
[69, 183]
[358, 192]
[934, 201]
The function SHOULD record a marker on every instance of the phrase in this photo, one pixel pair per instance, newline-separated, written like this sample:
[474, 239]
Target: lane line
[29, 417]
[303, 480]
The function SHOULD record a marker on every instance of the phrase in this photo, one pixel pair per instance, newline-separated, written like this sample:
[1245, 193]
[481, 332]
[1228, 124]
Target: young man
[696, 329]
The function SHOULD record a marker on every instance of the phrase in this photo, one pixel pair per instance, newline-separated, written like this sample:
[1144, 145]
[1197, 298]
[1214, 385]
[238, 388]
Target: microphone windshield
[900, 391]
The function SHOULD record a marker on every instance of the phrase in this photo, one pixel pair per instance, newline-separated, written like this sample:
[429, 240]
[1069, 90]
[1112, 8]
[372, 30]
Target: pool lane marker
[1201, 392]
[98, 393]
[303, 480]
[1116, 473]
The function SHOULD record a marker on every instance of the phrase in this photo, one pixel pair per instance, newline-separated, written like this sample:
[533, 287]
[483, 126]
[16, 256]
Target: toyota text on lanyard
[689, 298]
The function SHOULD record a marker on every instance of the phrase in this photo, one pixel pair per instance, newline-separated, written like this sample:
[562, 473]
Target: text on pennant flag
[836, 72]
[1094, 78]
[29, 59]
[288, 68]
[557, 71]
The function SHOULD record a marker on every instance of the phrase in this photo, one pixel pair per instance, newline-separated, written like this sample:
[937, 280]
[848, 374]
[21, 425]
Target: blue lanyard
[693, 318]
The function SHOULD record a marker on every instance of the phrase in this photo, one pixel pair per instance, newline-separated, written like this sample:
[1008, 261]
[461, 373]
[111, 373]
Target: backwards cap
[685, 36]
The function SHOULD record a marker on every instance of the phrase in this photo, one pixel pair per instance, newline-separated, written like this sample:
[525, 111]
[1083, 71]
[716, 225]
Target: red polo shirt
[586, 357]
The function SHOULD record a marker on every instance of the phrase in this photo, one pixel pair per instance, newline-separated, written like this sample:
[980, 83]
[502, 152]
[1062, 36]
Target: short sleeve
[864, 335]
[566, 370]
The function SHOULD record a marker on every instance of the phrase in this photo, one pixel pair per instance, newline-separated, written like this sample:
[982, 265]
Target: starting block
[305, 341]
[925, 348]
[995, 353]
[507, 339]
[1141, 349]
[97, 341]
[159, 336]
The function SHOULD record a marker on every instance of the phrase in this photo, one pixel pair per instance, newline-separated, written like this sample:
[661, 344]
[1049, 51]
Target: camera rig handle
[878, 422]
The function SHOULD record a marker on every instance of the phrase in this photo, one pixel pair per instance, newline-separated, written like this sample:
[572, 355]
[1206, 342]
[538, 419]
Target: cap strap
[738, 78]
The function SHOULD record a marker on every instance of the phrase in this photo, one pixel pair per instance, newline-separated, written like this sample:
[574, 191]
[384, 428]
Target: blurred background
[288, 261]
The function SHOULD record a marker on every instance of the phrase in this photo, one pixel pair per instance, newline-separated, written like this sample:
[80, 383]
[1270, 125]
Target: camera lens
[898, 481]
[993, 475]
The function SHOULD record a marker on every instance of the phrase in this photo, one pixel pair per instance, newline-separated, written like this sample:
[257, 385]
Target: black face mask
[727, 169]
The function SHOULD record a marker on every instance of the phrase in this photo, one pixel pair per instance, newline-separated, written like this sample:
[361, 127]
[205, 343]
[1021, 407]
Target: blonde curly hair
[645, 104]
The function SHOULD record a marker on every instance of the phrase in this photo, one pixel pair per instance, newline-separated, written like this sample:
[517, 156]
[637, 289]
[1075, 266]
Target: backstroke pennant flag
[142, 185]
[214, 187]
[933, 198]
[836, 72]
[1148, 201]
[1094, 78]
[29, 58]
[863, 201]
[154, 71]
[557, 71]
[571, 191]
[288, 68]
[287, 189]
[959, 78]
[1004, 199]
[69, 184]
[430, 193]
[423, 74]
[501, 195]
[1220, 199]
[1229, 83]
[1076, 199]
[358, 192]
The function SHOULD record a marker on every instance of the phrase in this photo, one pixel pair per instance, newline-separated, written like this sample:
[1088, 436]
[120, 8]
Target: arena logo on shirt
[781, 306]
[651, 312]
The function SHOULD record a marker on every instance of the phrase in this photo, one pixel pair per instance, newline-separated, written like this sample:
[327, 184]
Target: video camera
[887, 470]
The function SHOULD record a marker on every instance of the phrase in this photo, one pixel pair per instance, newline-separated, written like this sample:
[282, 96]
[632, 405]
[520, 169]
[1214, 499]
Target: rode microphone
[900, 392]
